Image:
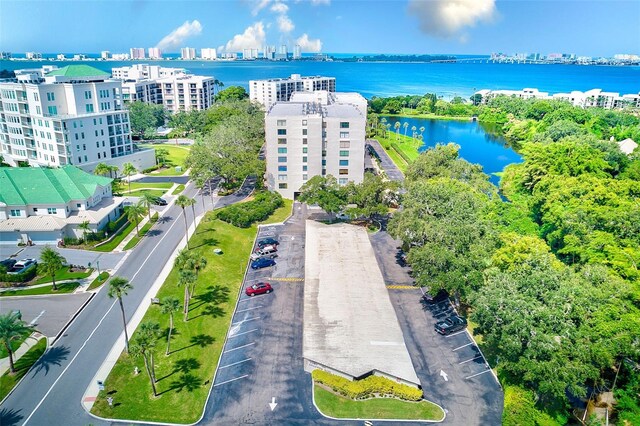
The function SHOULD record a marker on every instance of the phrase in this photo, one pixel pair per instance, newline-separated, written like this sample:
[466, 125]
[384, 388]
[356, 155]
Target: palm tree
[119, 287]
[128, 169]
[388, 127]
[134, 213]
[422, 132]
[192, 203]
[184, 260]
[169, 305]
[198, 265]
[51, 261]
[383, 123]
[102, 169]
[405, 126]
[186, 278]
[12, 328]
[85, 226]
[147, 201]
[184, 201]
[144, 344]
[161, 154]
[113, 169]
[396, 126]
[413, 131]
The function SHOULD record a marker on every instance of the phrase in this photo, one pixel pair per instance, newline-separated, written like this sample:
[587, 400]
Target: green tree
[144, 117]
[183, 201]
[161, 155]
[118, 288]
[128, 170]
[405, 126]
[396, 126]
[325, 192]
[186, 279]
[232, 93]
[476, 99]
[373, 196]
[143, 346]
[169, 305]
[51, 262]
[413, 131]
[102, 169]
[85, 226]
[134, 213]
[12, 328]
[147, 201]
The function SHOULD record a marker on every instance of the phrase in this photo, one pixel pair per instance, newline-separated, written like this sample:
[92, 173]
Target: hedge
[244, 214]
[22, 277]
[397, 149]
[151, 169]
[372, 386]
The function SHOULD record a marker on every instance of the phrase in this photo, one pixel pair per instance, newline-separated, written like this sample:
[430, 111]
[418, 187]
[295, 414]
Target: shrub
[25, 276]
[367, 388]
[244, 214]
[68, 241]
[152, 168]
[397, 149]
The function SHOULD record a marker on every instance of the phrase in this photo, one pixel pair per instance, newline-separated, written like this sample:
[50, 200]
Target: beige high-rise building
[315, 133]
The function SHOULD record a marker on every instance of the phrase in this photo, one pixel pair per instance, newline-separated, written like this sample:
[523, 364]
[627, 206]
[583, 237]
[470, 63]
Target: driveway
[387, 164]
[73, 256]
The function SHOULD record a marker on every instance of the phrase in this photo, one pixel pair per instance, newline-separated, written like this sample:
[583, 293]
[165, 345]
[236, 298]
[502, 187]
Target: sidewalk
[26, 345]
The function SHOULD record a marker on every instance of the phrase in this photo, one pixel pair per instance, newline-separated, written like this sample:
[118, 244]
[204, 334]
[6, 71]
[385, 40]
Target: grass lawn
[117, 240]
[178, 189]
[100, 279]
[63, 274]
[141, 192]
[407, 145]
[15, 344]
[338, 406]
[185, 376]
[7, 381]
[124, 186]
[177, 156]
[411, 113]
[62, 289]
[280, 214]
[132, 243]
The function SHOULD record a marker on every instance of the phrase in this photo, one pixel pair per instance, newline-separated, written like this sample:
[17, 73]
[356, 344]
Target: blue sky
[594, 28]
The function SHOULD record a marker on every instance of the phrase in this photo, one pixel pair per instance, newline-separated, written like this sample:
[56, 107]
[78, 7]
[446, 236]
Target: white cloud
[318, 2]
[259, 5]
[253, 37]
[279, 8]
[178, 36]
[285, 25]
[309, 45]
[445, 18]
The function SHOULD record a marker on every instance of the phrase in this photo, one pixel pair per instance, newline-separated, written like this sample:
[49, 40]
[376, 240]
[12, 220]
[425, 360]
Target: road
[387, 164]
[73, 256]
[54, 389]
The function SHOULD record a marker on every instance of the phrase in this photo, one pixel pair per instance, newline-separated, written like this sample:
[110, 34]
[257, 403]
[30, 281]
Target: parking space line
[290, 279]
[240, 347]
[463, 346]
[232, 380]
[249, 309]
[401, 287]
[477, 374]
[240, 334]
[235, 363]
[469, 360]
[455, 334]
[246, 320]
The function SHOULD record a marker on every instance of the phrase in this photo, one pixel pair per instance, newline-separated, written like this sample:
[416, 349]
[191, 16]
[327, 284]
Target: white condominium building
[589, 99]
[188, 53]
[72, 115]
[137, 53]
[208, 54]
[155, 53]
[315, 133]
[145, 72]
[187, 92]
[267, 92]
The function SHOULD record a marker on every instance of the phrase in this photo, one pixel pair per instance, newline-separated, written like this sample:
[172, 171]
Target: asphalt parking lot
[452, 370]
[73, 256]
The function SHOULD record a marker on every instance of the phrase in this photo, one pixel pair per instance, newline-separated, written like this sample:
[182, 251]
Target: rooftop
[77, 71]
[327, 104]
[349, 322]
[40, 185]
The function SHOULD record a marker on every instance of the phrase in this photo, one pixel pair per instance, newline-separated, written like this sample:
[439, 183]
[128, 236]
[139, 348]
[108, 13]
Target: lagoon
[478, 143]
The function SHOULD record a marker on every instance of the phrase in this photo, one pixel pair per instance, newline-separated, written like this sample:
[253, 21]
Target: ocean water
[399, 78]
[478, 143]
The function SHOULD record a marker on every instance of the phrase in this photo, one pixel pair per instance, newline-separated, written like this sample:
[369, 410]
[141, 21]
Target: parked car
[22, 266]
[8, 263]
[259, 288]
[267, 242]
[440, 296]
[266, 251]
[159, 201]
[451, 325]
[263, 262]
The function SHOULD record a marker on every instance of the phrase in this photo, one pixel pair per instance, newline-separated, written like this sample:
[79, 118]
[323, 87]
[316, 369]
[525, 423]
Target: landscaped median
[184, 377]
[401, 149]
[62, 288]
[9, 381]
[373, 398]
[136, 238]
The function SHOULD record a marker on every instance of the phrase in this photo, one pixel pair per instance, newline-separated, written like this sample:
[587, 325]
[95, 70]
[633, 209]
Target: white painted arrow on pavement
[444, 376]
[273, 403]
[35, 320]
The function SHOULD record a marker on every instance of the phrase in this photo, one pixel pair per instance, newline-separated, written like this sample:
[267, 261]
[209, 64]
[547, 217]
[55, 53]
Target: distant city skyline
[589, 28]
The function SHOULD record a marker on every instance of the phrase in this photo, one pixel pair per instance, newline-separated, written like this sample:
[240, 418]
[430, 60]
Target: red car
[259, 288]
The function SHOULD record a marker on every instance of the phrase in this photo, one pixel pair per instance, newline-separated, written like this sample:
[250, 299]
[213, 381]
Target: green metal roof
[77, 71]
[36, 185]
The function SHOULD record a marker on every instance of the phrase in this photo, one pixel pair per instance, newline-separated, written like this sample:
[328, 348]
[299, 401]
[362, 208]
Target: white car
[266, 251]
[22, 266]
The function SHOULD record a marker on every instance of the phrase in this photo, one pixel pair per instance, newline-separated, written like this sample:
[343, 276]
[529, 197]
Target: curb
[73, 317]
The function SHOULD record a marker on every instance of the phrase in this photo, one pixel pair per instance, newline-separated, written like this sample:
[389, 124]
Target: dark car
[440, 296]
[22, 266]
[259, 288]
[8, 263]
[159, 201]
[451, 325]
[268, 242]
[263, 262]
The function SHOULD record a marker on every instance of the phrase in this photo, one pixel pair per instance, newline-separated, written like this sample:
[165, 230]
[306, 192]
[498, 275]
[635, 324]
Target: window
[282, 151]
[304, 168]
[282, 131]
[304, 141]
[282, 177]
[282, 141]
[282, 159]
[51, 96]
[15, 213]
[324, 162]
[89, 107]
[82, 135]
[344, 171]
[79, 160]
[78, 205]
[344, 153]
[304, 150]
[84, 147]
[304, 132]
[97, 144]
[305, 176]
[76, 135]
[282, 168]
[87, 94]
[343, 181]
[344, 124]
[344, 135]
[53, 110]
[52, 210]
[344, 162]
[281, 122]
[345, 144]
[35, 210]
[304, 159]
[282, 186]
[304, 122]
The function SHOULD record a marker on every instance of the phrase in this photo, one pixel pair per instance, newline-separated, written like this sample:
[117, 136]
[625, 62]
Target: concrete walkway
[84, 284]
[23, 349]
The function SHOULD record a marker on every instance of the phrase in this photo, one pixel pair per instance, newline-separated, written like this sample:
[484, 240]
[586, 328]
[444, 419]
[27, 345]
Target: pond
[478, 142]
